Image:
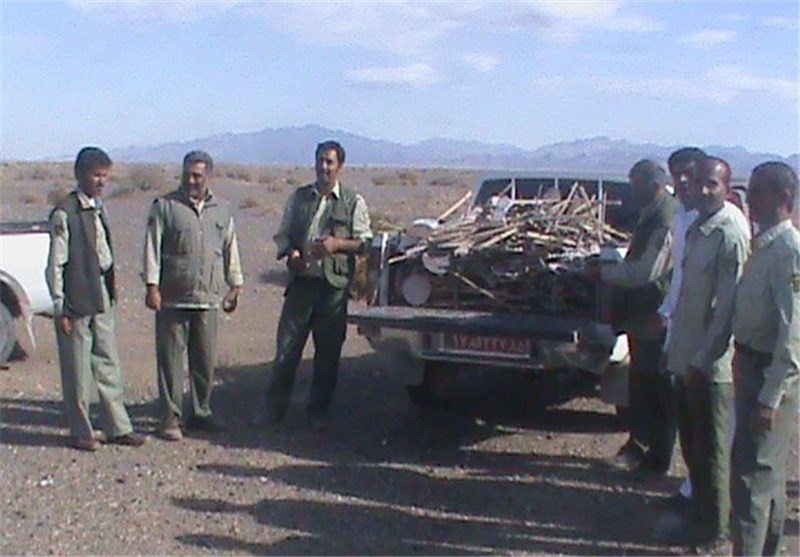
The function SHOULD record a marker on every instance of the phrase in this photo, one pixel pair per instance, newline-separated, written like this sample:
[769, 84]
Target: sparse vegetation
[148, 177]
[58, 193]
[249, 203]
[31, 199]
[408, 178]
[382, 222]
[381, 180]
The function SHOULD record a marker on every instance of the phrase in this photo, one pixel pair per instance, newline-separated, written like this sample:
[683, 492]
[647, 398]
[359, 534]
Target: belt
[747, 351]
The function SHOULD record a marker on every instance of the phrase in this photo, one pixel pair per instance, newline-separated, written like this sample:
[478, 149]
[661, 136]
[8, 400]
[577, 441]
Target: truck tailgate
[472, 322]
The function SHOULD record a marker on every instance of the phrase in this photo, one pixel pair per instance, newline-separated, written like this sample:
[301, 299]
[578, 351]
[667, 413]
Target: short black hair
[649, 171]
[331, 145]
[781, 176]
[196, 156]
[89, 159]
[685, 155]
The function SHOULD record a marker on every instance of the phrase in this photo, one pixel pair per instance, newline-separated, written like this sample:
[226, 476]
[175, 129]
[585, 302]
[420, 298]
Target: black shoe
[624, 461]
[650, 471]
[131, 439]
[676, 503]
[319, 423]
[205, 423]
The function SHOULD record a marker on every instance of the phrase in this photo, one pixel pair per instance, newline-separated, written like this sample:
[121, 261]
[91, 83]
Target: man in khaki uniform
[190, 254]
[766, 327]
[701, 348]
[80, 276]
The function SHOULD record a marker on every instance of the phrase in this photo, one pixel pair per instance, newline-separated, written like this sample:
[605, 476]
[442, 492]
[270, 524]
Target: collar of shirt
[718, 220]
[768, 236]
[335, 192]
[196, 203]
[86, 201]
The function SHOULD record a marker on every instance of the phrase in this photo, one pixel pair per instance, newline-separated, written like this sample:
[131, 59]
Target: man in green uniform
[324, 226]
[766, 328]
[700, 350]
[642, 280]
[190, 254]
[80, 276]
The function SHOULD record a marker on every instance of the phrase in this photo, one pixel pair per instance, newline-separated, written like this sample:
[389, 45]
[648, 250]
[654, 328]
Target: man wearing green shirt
[324, 225]
[766, 328]
[700, 349]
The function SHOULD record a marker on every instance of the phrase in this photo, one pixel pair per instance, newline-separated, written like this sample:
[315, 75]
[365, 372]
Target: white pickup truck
[431, 338]
[23, 289]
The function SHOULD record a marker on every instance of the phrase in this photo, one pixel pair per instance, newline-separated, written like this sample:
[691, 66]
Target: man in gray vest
[766, 329]
[324, 226]
[80, 276]
[701, 349]
[641, 282]
[190, 254]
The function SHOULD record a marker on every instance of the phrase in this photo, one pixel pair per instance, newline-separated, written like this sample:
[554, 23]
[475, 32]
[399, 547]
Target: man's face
[327, 168]
[763, 200]
[682, 177]
[195, 180]
[92, 181]
[710, 189]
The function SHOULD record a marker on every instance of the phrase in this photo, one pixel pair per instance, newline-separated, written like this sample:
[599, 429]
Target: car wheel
[8, 337]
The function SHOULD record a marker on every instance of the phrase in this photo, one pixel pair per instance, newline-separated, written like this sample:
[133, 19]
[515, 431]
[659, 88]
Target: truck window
[623, 214]
[534, 188]
[489, 188]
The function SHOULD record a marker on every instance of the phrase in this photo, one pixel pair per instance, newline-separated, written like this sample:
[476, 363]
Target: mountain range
[295, 145]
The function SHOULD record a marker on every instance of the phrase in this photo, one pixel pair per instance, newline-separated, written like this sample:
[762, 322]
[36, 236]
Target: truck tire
[8, 337]
[437, 386]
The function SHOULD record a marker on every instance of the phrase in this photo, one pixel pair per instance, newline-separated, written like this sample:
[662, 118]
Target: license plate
[461, 343]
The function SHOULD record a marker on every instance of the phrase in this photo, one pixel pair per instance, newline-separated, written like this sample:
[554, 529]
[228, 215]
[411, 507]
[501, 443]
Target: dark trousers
[178, 332]
[759, 464]
[309, 306]
[651, 407]
[705, 419]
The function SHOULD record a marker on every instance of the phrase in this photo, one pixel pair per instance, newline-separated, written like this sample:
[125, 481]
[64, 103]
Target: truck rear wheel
[8, 337]
[437, 386]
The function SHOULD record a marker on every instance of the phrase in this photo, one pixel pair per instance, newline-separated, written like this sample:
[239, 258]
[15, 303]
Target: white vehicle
[23, 289]
[434, 337]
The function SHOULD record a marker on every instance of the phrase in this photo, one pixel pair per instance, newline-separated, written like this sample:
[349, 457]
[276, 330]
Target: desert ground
[497, 470]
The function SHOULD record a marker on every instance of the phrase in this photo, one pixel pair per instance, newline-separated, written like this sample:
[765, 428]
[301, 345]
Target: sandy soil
[495, 471]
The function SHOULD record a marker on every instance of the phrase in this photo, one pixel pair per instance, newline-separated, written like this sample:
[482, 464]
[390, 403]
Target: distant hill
[295, 145]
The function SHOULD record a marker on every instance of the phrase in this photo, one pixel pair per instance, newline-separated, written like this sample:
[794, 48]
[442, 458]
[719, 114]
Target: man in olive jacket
[190, 254]
[641, 282]
[324, 226]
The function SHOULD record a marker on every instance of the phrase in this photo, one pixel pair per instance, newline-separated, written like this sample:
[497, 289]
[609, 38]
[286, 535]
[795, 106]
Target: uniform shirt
[59, 250]
[716, 250]
[152, 250]
[317, 229]
[654, 263]
[767, 316]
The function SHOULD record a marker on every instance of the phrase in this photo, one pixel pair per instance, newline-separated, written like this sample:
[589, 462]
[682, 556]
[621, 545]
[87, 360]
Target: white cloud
[729, 82]
[480, 61]
[709, 37]
[416, 75]
[156, 11]
[780, 22]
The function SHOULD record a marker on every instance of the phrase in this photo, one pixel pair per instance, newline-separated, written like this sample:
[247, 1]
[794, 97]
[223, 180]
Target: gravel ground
[494, 471]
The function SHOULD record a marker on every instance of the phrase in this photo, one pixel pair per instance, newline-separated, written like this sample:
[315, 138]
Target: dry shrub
[147, 177]
[446, 181]
[408, 178]
[31, 199]
[381, 180]
[249, 203]
[57, 194]
[121, 190]
[293, 181]
[40, 173]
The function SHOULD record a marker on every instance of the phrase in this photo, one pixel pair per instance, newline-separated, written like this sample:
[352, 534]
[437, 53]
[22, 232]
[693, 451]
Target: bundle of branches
[528, 261]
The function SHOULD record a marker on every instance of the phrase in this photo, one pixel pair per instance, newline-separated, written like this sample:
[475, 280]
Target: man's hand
[231, 300]
[761, 420]
[65, 322]
[295, 261]
[153, 297]
[324, 247]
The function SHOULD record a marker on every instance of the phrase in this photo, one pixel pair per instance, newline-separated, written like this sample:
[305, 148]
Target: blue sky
[527, 73]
